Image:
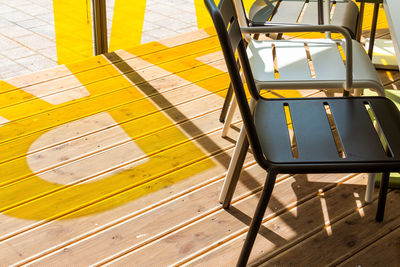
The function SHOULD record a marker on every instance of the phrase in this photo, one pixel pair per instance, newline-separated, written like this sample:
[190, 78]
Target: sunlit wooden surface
[118, 160]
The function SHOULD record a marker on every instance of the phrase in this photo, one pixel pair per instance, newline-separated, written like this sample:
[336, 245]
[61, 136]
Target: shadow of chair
[330, 135]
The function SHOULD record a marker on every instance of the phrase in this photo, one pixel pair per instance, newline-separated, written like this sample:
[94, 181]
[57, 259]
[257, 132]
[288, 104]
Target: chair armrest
[313, 28]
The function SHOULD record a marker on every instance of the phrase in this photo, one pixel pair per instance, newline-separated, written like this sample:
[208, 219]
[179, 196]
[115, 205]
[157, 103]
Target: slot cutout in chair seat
[335, 134]
[310, 62]
[378, 129]
[291, 132]
[275, 61]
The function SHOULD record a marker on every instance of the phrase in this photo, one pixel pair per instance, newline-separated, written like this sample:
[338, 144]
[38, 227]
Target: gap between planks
[45, 75]
[130, 86]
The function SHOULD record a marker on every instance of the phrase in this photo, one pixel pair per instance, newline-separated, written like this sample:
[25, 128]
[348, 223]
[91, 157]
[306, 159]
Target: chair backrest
[230, 37]
[263, 10]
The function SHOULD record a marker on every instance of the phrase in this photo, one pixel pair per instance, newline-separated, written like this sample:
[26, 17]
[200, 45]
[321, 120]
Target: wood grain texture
[159, 103]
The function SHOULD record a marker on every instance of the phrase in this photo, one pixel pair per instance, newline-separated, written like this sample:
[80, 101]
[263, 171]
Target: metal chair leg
[227, 101]
[257, 219]
[232, 176]
[369, 191]
[234, 169]
[359, 22]
[382, 196]
[373, 30]
[229, 117]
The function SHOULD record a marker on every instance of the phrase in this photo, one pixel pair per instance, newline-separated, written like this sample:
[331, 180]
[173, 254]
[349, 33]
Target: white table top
[392, 8]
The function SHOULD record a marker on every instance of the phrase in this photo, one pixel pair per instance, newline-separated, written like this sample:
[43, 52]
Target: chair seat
[314, 134]
[295, 71]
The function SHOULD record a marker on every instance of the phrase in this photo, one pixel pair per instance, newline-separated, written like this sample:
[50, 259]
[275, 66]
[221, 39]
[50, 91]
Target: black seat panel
[313, 133]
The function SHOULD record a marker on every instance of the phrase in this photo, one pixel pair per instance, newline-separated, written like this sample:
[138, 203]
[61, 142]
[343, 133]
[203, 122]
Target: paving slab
[28, 39]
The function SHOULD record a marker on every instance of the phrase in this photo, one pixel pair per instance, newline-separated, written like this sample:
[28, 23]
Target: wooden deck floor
[118, 160]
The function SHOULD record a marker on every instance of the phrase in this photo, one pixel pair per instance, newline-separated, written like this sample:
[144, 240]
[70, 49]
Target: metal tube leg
[227, 100]
[373, 30]
[257, 219]
[360, 21]
[239, 154]
[235, 166]
[229, 117]
[382, 196]
[369, 191]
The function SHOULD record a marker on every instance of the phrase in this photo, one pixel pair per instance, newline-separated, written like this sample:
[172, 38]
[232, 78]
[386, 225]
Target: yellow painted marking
[203, 17]
[207, 58]
[108, 80]
[55, 94]
[127, 24]
[77, 170]
[73, 27]
[20, 199]
[197, 75]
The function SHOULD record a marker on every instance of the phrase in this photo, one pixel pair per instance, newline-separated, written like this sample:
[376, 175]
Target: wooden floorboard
[383, 252]
[118, 160]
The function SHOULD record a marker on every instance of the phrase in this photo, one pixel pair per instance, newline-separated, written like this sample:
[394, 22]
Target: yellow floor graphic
[73, 27]
[127, 25]
[58, 176]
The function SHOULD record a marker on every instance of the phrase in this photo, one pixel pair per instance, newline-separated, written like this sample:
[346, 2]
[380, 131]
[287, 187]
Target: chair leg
[225, 107]
[234, 169]
[359, 21]
[373, 30]
[382, 196]
[369, 191]
[229, 117]
[239, 154]
[257, 219]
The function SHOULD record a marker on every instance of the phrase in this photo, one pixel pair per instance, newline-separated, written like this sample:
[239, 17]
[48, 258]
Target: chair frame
[348, 85]
[231, 40]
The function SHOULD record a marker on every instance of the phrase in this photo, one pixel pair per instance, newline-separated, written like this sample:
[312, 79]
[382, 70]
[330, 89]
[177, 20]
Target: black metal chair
[331, 135]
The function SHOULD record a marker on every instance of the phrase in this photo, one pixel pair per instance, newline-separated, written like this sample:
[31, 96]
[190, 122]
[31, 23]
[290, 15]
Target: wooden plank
[38, 191]
[389, 78]
[139, 128]
[350, 235]
[191, 208]
[383, 252]
[8, 229]
[148, 112]
[395, 85]
[291, 227]
[105, 75]
[89, 64]
[105, 102]
[221, 226]
[104, 228]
